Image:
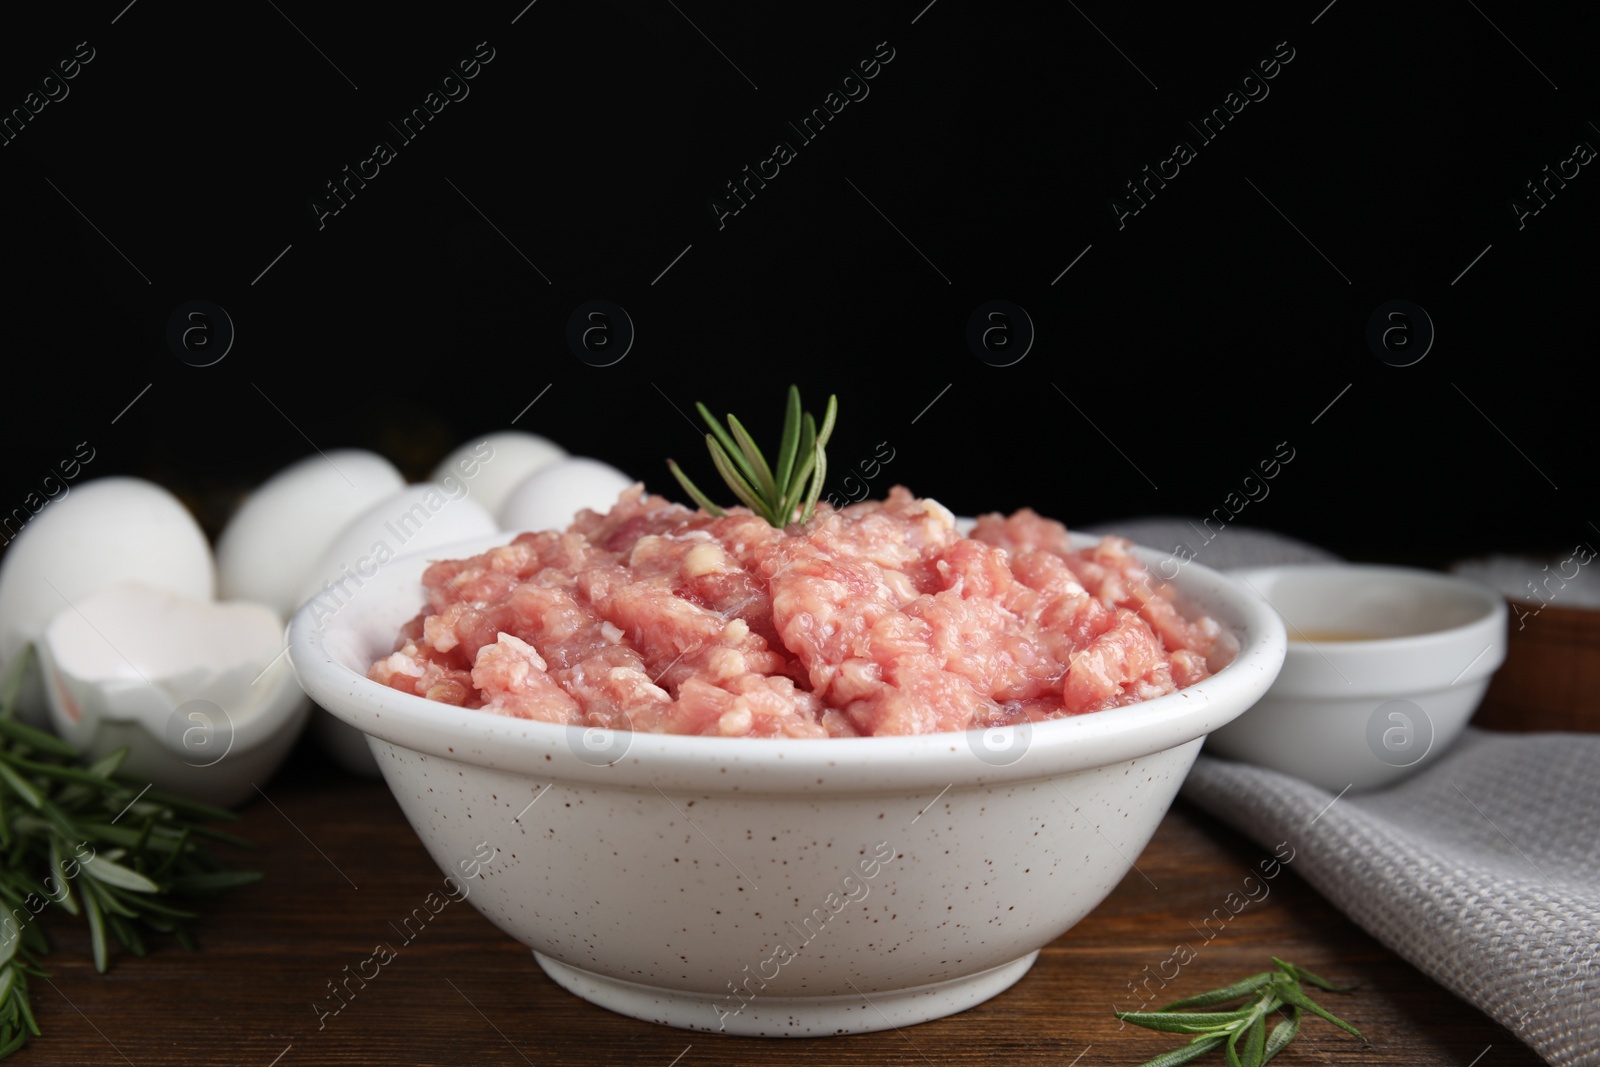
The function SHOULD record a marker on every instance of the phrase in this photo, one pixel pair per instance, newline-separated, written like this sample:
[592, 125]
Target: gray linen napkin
[1482, 870]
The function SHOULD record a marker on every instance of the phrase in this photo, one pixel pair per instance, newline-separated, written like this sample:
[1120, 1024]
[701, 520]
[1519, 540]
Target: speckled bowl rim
[363, 629]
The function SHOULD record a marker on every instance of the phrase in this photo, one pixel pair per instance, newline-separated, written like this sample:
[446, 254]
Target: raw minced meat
[878, 618]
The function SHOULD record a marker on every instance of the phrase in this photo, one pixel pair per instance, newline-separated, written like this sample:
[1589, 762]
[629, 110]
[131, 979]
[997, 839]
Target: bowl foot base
[776, 1016]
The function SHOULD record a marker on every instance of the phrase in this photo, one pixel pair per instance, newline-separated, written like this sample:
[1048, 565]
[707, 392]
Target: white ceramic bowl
[1362, 714]
[654, 874]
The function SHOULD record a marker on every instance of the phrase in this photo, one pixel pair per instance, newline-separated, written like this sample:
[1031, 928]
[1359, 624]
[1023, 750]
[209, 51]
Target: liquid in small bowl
[1315, 637]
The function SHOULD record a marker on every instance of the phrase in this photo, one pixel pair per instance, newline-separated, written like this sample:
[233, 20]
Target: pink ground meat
[878, 618]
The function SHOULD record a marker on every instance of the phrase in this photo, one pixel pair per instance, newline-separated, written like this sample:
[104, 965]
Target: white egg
[105, 531]
[272, 541]
[491, 467]
[551, 498]
[415, 519]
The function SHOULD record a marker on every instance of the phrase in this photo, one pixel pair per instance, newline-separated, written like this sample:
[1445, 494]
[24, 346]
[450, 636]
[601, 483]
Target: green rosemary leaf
[107, 766]
[110, 872]
[1293, 995]
[28, 968]
[817, 478]
[97, 933]
[1254, 1043]
[789, 445]
[1299, 973]
[694, 492]
[757, 462]
[1281, 1035]
[1192, 1051]
[109, 903]
[816, 466]
[807, 459]
[57, 771]
[1242, 988]
[22, 998]
[23, 734]
[59, 873]
[828, 419]
[1189, 1022]
[725, 439]
[19, 785]
[741, 488]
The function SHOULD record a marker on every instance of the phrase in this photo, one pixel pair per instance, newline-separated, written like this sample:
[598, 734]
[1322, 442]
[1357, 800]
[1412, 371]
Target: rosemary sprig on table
[1242, 1032]
[773, 492]
[95, 844]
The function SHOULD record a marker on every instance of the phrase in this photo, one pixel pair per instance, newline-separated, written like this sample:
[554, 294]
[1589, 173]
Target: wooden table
[342, 864]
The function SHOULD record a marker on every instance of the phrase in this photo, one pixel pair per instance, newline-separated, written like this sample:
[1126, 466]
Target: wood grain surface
[342, 865]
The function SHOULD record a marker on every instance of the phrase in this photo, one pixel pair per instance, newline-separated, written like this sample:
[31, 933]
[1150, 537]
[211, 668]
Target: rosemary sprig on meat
[773, 491]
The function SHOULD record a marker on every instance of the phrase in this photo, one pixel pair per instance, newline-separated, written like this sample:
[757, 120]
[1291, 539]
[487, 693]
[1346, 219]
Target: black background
[1190, 342]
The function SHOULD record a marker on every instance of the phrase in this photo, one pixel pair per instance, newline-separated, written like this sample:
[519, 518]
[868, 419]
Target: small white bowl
[1385, 666]
[654, 874]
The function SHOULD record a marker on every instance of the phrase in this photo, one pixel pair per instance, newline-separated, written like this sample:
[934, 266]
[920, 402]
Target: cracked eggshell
[200, 692]
[105, 531]
[492, 466]
[278, 533]
[551, 498]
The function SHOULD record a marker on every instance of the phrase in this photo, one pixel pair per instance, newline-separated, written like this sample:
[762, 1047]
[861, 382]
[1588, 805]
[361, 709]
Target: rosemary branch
[772, 491]
[1241, 1032]
[61, 843]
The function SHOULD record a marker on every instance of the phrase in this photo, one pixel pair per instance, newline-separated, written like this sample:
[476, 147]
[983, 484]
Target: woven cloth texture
[1482, 870]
